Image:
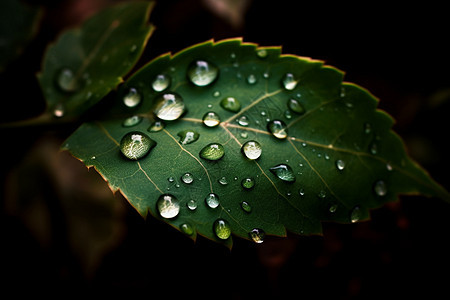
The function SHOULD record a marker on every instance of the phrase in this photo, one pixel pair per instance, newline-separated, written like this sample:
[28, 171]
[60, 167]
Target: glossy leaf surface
[295, 146]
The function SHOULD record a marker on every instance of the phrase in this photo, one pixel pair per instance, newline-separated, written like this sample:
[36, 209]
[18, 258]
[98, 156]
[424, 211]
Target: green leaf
[84, 64]
[336, 158]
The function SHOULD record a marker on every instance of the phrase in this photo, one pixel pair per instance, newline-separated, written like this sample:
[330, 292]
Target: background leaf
[344, 157]
[85, 63]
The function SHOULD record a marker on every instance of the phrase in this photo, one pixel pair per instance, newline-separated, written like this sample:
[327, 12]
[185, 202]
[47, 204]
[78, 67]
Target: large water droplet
[212, 200]
[213, 151]
[296, 106]
[289, 82]
[251, 149]
[340, 164]
[168, 206]
[355, 214]
[211, 119]
[257, 235]
[187, 178]
[132, 98]
[187, 228]
[161, 83]
[67, 81]
[132, 121]
[222, 229]
[380, 188]
[284, 172]
[188, 136]
[248, 183]
[278, 129]
[169, 107]
[202, 73]
[230, 104]
[135, 145]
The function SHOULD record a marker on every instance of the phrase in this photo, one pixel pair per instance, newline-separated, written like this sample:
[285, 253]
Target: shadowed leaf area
[228, 138]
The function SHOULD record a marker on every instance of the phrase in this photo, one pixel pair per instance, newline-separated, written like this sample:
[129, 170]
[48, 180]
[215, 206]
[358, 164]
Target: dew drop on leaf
[188, 136]
[186, 228]
[296, 106]
[283, 172]
[289, 82]
[192, 204]
[202, 73]
[132, 98]
[132, 121]
[340, 164]
[212, 200]
[168, 206]
[243, 121]
[223, 180]
[161, 83]
[211, 119]
[277, 128]
[187, 178]
[230, 104]
[355, 214]
[213, 151]
[135, 145]
[367, 128]
[257, 235]
[169, 106]
[67, 81]
[222, 229]
[156, 126]
[322, 194]
[251, 79]
[246, 207]
[262, 53]
[380, 188]
[248, 183]
[333, 208]
[59, 110]
[251, 149]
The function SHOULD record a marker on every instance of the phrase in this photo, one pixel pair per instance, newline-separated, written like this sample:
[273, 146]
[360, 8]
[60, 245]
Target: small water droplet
[257, 235]
[367, 128]
[132, 98]
[216, 94]
[168, 206]
[340, 164]
[133, 48]
[188, 136]
[187, 178]
[230, 104]
[246, 207]
[244, 134]
[301, 192]
[380, 188]
[222, 229]
[243, 121]
[192, 204]
[132, 121]
[296, 106]
[223, 180]
[322, 194]
[211, 119]
[333, 208]
[58, 110]
[212, 200]
[135, 145]
[248, 183]
[169, 106]
[186, 228]
[251, 79]
[289, 82]
[373, 148]
[213, 151]
[283, 172]
[287, 114]
[161, 83]
[278, 129]
[342, 94]
[389, 167]
[171, 179]
[156, 126]
[262, 53]
[202, 73]
[67, 81]
[355, 214]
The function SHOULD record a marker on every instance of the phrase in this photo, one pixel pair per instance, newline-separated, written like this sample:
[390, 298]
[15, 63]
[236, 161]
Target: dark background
[401, 54]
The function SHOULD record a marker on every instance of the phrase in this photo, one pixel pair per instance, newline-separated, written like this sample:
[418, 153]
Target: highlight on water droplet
[59, 110]
[340, 164]
[230, 104]
[187, 178]
[248, 183]
[169, 106]
[355, 214]
[283, 172]
[257, 235]
[213, 151]
[289, 81]
[246, 207]
[168, 206]
[212, 200]
[211, 119]
[202, 72]
[135, 145]
[132, 98]
[222, 229]
[251, 149]
[132, 121]
[67, 81]
[188, 136]
[380, 188]
[161, 83]
[277, 128]
[296, 106]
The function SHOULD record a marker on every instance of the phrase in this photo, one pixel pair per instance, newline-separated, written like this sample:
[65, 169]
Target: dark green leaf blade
[84, 64]
[341, 155]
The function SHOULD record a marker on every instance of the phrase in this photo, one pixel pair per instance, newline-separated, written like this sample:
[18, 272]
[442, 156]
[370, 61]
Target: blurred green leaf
[336, 158]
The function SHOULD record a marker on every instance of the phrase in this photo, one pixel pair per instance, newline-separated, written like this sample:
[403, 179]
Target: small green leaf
[84, 64]
[301, 148]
